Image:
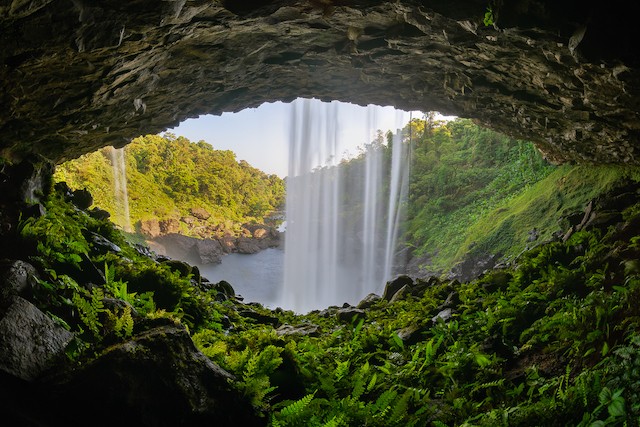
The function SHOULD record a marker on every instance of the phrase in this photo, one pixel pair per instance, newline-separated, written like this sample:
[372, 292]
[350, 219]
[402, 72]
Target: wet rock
[224, 289]
[473, 266]
[445, 315]
[350, 314]
[300, 330]
[395, 285]
[68, 115]
[156, 378]
[33, 179]
[82, 199]
[247, 245]
[368, 301]
[259, 317]
[191, 249]
[99, 214]
[411, 334]
[103, 245]
[452, 301]
[402, 293]
[30, 342]
[16, 278]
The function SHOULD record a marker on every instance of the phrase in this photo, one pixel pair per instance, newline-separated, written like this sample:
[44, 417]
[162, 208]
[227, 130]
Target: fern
[360, 381]
[89, 310]
[295, 409]
[336, 421]
[383, 404]
[123, 326]
[401, 408]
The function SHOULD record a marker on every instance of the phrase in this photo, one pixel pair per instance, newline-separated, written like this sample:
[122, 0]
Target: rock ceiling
[81, 74]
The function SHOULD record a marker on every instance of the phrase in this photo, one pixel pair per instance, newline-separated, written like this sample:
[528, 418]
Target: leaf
[616, 407]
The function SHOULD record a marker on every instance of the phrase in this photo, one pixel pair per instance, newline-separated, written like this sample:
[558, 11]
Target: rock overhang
[78, 75]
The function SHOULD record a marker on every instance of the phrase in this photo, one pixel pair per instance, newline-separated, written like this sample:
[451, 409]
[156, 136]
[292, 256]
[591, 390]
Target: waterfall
[120, 188]
[342, 222]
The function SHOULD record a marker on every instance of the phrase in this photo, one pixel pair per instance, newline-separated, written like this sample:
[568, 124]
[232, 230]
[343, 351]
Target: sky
[260, 135]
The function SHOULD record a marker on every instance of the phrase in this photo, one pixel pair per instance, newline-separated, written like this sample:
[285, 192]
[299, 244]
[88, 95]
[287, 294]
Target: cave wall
[81, 74]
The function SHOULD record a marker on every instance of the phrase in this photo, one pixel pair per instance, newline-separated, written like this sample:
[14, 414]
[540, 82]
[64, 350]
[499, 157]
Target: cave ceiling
[78, 75]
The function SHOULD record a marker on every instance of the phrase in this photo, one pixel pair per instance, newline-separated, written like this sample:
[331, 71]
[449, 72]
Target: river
[256, 277]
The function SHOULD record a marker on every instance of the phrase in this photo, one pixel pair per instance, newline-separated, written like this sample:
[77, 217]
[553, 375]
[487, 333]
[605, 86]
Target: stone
[444, 315]
[402, 293]
[190, 249]
[411, 334]
[300, 330]
[169, 226]
[225, 289]
[260, 318]
[200, 213]
[150, 228]
[209, 251]
[395, 285]
[247, 245]
[156, 378]
[99, 214]
[134, 67]
[350, 314]
[30, 342]
[368, 301]
[17, 277]
[102, 245]
[82, 199]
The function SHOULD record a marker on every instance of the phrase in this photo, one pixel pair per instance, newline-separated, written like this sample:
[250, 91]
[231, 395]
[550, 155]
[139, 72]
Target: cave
[78, 75]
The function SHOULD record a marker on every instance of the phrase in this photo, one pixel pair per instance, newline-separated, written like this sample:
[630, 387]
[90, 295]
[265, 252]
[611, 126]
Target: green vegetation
[168, 176]
[461, 173]
[553, 340]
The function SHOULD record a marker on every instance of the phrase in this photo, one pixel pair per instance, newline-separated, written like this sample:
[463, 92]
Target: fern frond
[336, 421]
[383, 404]
[294, 409]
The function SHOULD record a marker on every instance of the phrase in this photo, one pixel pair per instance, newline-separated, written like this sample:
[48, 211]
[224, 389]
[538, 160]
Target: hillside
[461, 173]
[191, 186]
[550, 340]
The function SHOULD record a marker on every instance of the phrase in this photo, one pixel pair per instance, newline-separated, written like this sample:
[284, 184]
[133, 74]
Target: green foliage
[167, 176]
[460, 174]
[488, 17]
[89, 309]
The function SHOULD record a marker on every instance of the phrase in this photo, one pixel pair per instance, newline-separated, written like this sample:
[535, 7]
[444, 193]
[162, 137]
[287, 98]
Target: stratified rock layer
[78, 75]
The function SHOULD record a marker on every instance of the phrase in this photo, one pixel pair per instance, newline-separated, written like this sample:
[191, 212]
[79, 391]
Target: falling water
[342, 223]
[120, 187]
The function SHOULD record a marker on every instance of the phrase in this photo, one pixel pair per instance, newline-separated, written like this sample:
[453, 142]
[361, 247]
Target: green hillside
[168, 176]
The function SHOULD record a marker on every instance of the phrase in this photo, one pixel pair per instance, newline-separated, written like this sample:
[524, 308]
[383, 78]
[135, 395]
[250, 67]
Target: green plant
[90, 306]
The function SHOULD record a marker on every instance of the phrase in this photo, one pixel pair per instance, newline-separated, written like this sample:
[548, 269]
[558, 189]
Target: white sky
[260, 135]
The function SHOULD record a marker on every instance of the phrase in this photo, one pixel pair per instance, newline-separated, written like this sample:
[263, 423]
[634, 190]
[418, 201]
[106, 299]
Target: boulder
[247, 245]
[395, 285]
[30, 342]
[350, 314]
[82, 199]
[156, 378]
[368, 301]
[300, 330]
[169, 226]
[150, 228]
[200, 213]
[16, 278]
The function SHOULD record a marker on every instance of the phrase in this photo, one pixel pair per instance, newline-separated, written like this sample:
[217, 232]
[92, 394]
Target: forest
[548, 338]
[168, 176]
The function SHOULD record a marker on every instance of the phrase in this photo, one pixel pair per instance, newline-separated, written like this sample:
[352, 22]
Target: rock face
[158, 378]
[30, 342]
[77, 75]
